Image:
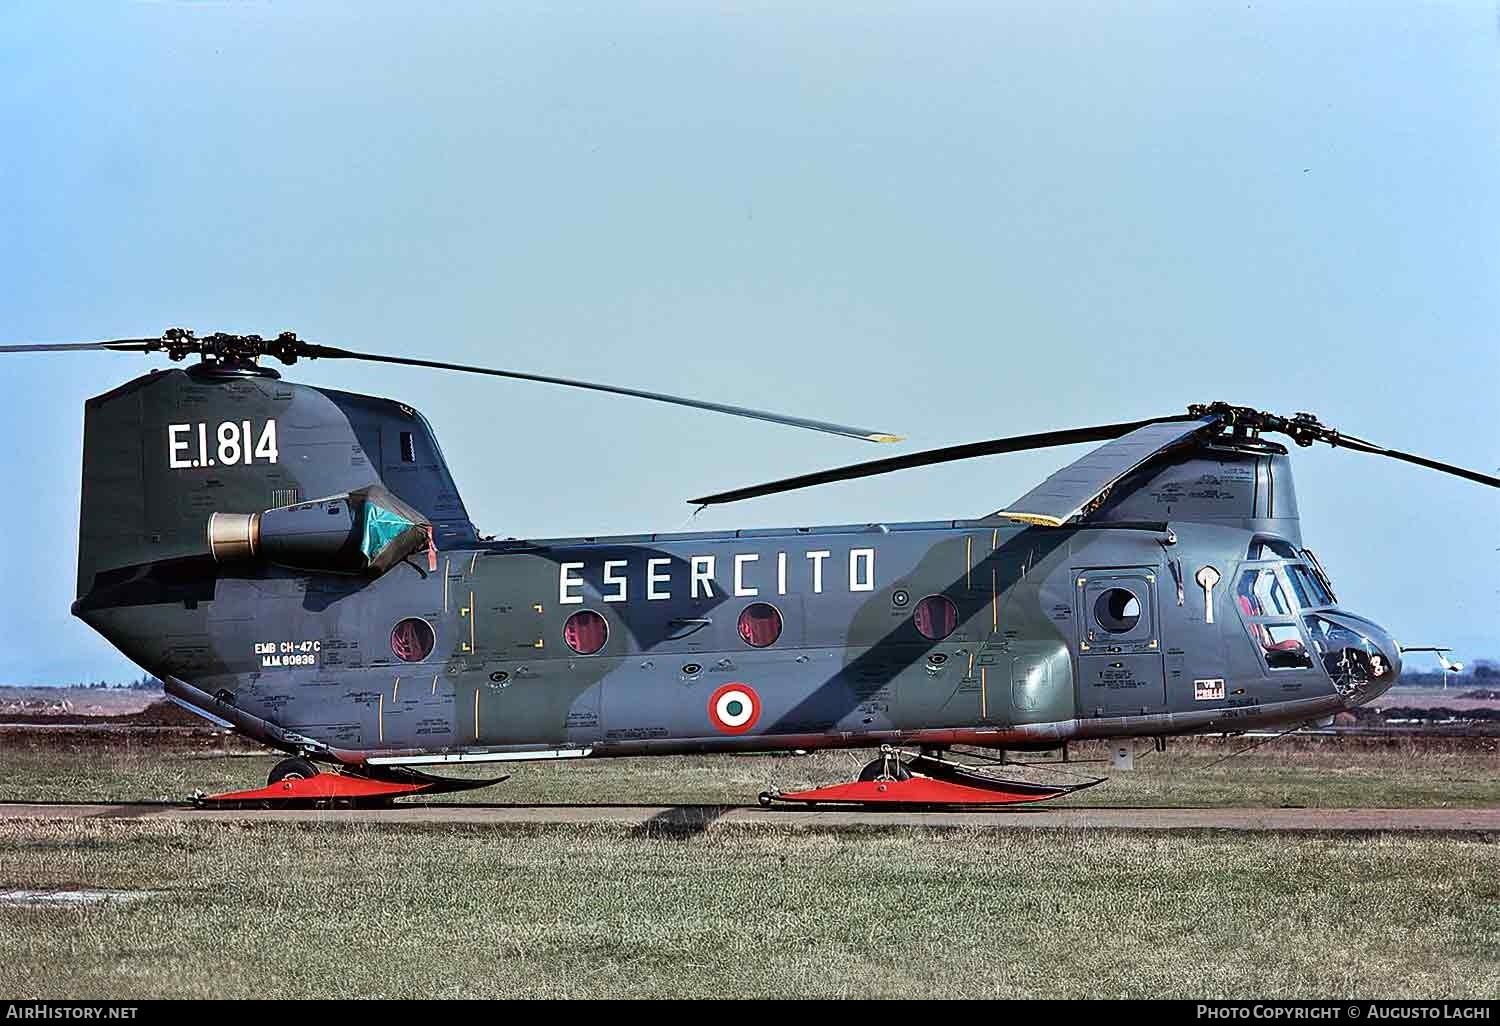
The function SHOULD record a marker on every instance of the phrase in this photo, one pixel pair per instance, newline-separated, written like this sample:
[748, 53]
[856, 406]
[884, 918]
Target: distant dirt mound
[1438, 713]
[1482, 695]
[160, 713]
[163, 714]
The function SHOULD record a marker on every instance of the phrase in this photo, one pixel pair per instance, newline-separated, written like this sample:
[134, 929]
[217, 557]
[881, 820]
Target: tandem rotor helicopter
[298, 563]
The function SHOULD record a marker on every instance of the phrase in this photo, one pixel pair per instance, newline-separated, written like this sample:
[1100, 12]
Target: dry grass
[352, 911]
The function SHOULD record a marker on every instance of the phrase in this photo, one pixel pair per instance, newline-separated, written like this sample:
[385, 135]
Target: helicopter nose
[1380, 684]
[1384, 663]
[1360, 656]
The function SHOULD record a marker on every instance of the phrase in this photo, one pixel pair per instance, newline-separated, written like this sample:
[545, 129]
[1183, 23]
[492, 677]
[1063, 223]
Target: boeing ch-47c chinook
[299, 563]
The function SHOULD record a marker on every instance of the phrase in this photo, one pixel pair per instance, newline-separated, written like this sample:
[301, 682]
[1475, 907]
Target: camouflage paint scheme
[303, 660]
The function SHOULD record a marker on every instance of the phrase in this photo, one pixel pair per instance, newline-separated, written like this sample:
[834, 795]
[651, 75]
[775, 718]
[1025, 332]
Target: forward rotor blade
[1360, 445]
[124, 345]
[864, 434]
[994, 447]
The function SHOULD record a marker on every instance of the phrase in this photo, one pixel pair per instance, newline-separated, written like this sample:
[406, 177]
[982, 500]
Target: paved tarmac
[1481, 821]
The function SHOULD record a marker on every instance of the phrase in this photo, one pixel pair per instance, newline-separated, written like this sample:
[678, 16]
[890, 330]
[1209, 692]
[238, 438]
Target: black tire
[876, 771]
[295, 768]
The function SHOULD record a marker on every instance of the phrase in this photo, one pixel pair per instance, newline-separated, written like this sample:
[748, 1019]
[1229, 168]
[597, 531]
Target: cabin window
[936, 617]
[412, 640]
[760, 624]
[586, 632]
[1117, 610]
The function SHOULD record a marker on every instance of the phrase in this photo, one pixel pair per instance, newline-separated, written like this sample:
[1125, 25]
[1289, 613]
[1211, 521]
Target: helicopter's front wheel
[295, 768]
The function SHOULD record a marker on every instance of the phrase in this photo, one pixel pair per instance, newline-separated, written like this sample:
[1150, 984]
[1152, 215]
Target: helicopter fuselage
[960, 632]
[1181, 602]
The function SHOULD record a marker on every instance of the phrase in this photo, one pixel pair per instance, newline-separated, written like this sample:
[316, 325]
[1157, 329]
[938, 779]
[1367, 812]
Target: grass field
[1284, 773]
[276, 910]
[335, 909]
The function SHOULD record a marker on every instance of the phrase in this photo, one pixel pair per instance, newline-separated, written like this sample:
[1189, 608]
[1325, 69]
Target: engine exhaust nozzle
[233, 537]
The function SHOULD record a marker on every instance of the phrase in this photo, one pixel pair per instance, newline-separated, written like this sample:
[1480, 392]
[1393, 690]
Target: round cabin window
[412, 640]
[936, 617]
[586, 632]
[760, 624]
[1117, 611]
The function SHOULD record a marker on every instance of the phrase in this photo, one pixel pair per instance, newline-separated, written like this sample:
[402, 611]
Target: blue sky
[954, 221]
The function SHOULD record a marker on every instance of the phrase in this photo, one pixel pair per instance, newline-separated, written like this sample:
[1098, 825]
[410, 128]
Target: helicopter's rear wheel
[295, 768]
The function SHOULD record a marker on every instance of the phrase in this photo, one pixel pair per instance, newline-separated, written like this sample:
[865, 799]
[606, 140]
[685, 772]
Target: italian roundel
[734, 708]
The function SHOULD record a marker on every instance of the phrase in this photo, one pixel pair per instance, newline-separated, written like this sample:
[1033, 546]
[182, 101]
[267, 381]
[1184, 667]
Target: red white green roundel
[734, 708]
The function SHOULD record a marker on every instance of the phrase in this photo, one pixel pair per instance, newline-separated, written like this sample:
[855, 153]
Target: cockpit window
[1310, 592]
[1260, 594]
[1271, 548]
[1321, 574]
[1263, 600]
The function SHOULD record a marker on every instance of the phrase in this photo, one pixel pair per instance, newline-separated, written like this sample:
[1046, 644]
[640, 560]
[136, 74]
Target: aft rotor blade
[971, 450]
[1360, 445]
[864, 434]
[124, 345]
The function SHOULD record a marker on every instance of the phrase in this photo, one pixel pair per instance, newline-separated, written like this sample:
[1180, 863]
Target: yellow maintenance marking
[447, 567]
[984, 680]
[468, 611]
[476, 714]
[472, 561]
[380, 715]
[969, 562]
[396, 689]
[995, 601]
[994, 539]
[434, 683]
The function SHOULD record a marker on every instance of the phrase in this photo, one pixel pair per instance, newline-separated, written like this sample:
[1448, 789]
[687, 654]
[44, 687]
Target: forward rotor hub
[1302, 428]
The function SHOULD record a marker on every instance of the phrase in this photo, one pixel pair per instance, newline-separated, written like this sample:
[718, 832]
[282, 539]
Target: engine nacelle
[361, 532]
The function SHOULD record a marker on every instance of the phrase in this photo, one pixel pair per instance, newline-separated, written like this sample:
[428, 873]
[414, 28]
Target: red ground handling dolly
[924, 780]
[297, 783]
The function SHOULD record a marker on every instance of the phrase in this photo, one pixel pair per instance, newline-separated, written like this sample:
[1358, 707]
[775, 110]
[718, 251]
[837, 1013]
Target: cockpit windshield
[1310, 591]
[1263, 591]
[1302, 573]
[1271, 548]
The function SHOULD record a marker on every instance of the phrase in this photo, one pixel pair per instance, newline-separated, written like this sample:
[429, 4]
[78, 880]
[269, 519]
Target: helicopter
[298, 563]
